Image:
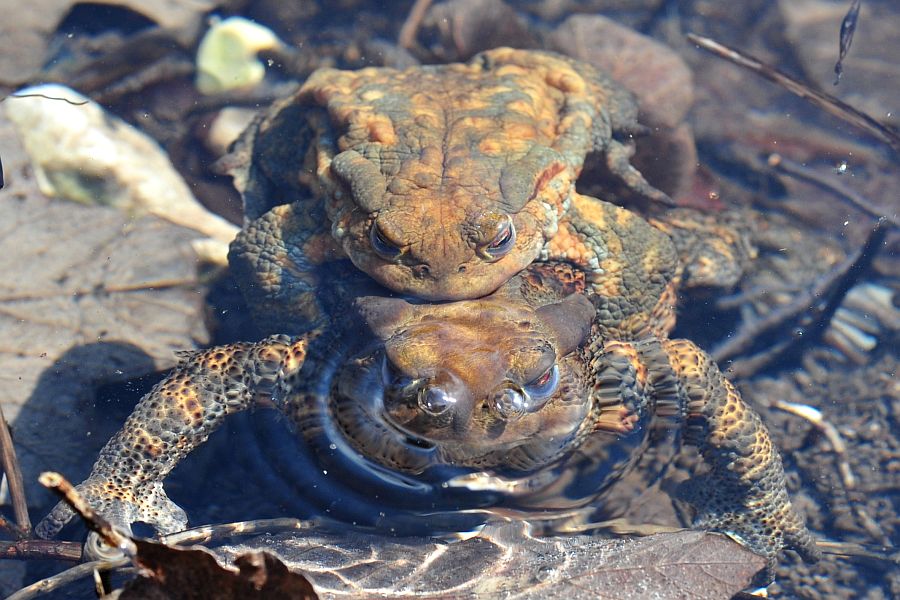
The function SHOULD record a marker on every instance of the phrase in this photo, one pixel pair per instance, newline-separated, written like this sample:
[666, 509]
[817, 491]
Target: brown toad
[436, 415]
[443, 181]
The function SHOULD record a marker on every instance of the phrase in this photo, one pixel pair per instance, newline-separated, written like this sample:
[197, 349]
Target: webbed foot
[120, 506]
[744, 494]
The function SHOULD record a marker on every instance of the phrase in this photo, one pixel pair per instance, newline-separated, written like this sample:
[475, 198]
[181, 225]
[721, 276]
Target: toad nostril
[421, 270]
[510, 402]
[461, 269]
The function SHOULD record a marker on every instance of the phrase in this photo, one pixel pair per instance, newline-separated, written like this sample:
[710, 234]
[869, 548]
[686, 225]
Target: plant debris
[848, 28]
[824, 101]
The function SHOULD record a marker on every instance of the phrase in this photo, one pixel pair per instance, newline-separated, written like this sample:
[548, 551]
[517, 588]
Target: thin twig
[794, 169]
[168, 68]
[245, 99]
[826, 102]
[160, 284]
[112, 536]
[207, 533]
[13, 472]
[407, 37]
[12, 529]
[46, 97]
[197, 535]
[743, 368]
[738, 299]
[42, 549]
[839, 447]
[59, 580]
[814, 416]
[882, 554]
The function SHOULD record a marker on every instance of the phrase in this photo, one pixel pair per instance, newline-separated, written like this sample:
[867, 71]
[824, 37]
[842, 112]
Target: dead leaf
[81, 152]
[86, 296]
[505, 562]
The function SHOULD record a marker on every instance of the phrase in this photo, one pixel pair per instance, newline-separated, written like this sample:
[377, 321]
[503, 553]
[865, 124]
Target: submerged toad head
[487, 383]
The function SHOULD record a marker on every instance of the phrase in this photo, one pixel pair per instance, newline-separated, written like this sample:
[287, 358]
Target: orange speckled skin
[713, 248]
[437, 158]
[630, 271]
[631, 267]
[174, 418]
[608, 389]
[744, 493]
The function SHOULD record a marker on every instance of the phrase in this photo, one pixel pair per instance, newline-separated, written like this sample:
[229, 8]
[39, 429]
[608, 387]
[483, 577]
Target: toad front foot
[176, 416]
[120, 506]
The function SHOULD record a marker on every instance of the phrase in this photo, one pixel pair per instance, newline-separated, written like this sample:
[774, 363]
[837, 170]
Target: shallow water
[797, 222]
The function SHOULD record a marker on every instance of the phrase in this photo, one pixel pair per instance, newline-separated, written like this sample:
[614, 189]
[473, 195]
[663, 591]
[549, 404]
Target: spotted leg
[176, 416]
[744, 494]
[714, 249]
[631, 267]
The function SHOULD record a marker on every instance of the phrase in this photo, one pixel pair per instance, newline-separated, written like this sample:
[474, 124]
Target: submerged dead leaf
[78, 276]
[81, 152]
[505, 562]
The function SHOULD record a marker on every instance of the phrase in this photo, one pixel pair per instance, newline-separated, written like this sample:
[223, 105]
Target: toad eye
[503, 242]
[542, 388]
[381, 244]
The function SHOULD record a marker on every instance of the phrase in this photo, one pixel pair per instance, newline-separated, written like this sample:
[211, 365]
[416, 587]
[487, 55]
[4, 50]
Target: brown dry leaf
[26, 28]
[505, 562]
[688, 564]
[182, 574]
